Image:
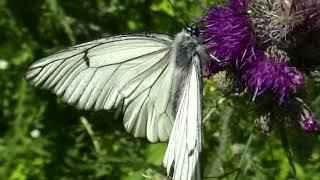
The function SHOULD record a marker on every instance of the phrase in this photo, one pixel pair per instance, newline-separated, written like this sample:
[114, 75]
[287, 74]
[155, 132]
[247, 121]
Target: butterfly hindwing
[184, 145]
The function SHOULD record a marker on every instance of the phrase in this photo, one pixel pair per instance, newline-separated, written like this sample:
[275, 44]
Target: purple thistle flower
[309, 124]
[228, 35]
[306, 15]
[264, 74]
[238, 5]
[252, 46]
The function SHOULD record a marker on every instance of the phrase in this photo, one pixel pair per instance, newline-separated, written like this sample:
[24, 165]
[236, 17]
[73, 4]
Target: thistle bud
[308, 122]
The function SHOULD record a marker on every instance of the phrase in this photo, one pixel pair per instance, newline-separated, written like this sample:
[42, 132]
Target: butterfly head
[193, 29]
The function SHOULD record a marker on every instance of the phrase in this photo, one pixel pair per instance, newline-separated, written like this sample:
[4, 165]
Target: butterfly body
[186, 46]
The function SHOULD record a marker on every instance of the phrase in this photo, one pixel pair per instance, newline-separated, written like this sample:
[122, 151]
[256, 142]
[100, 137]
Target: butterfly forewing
[136, 70]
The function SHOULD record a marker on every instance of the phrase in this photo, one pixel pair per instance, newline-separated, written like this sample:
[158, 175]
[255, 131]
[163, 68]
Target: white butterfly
[155, 77]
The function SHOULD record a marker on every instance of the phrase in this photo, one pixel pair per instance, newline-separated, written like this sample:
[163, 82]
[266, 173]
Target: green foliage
[43, 138]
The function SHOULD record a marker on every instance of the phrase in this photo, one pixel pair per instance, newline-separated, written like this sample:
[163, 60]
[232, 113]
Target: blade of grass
[243, 156]
[88, 128]
[286, 146]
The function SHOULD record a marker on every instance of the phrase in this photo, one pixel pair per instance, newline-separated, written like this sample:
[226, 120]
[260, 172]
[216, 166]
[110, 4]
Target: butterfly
[156, 78]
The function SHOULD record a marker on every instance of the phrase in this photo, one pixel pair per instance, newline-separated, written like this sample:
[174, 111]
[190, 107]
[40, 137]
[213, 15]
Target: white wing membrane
[135, 70]
[182, 154]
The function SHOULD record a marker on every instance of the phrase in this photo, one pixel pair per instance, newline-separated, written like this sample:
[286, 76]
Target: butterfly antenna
[202, 18]
[179, 12]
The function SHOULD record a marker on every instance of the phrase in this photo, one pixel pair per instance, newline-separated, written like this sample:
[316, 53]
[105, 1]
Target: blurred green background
[43, 138]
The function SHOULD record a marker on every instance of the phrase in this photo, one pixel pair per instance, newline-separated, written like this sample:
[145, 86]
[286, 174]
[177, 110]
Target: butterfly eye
[196, 31]
[193, 29]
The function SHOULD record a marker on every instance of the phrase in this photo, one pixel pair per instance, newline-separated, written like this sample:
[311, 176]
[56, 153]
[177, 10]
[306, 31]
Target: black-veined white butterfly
[156, 78]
